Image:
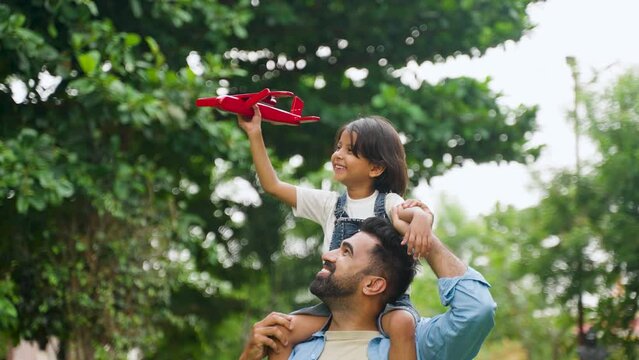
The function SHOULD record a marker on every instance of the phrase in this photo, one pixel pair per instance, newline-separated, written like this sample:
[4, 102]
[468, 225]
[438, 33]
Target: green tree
[529, 324]
[580, 241]
[613, 122]
[125, 217]
[594, 215]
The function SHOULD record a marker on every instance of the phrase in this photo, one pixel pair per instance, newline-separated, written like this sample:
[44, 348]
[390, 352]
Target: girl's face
[349, 169]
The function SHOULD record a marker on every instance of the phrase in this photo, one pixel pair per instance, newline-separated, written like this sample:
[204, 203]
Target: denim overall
[346, 227]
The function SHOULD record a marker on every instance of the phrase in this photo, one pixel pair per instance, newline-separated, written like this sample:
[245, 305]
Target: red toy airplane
[242, 104]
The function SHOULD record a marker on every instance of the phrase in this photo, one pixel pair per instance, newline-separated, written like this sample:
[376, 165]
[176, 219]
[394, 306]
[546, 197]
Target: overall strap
[340, 211]
[338, 231]
[380, 206]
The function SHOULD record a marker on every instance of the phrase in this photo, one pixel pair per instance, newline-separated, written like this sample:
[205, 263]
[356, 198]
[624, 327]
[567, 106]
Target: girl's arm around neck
[417, 229]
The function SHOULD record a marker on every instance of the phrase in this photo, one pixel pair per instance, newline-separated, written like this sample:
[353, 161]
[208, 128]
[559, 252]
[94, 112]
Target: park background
[132, 225]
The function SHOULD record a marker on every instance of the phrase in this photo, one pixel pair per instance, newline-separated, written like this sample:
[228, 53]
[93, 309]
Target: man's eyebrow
[349, 246]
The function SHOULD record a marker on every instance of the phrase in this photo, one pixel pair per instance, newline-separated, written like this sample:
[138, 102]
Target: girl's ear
[374, 285]
[376, 170]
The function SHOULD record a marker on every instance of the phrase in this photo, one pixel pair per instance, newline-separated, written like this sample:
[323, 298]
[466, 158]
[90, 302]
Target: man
[358, 279]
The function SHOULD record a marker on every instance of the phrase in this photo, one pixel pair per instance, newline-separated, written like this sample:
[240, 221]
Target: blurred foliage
[126, 218]
[614, 126]
[528, 325]
[584, 230]
[573, 255]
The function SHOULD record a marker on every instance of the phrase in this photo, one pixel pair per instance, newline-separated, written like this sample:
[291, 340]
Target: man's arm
[442, 261]
[459, 332]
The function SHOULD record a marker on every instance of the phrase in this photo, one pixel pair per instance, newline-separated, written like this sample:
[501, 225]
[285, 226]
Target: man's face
[344, 268]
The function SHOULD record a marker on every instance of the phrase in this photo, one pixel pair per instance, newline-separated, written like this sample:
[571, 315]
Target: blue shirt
[456, 334]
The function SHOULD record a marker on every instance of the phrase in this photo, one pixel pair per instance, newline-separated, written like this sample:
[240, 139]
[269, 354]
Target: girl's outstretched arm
[265, 172]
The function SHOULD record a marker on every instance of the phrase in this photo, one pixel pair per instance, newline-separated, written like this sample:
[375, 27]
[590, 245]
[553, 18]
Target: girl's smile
[348, 168]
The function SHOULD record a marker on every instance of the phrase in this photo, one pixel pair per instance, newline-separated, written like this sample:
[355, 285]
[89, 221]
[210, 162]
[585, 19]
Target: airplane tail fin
[297, 106]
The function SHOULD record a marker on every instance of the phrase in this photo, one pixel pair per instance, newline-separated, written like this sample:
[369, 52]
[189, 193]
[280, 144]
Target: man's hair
[389, 258]
[379, 142]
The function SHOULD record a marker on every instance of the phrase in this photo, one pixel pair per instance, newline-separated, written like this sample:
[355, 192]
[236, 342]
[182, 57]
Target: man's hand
[264, 334]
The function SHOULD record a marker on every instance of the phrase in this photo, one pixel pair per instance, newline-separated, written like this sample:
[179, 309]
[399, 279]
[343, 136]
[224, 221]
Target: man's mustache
[329, 266]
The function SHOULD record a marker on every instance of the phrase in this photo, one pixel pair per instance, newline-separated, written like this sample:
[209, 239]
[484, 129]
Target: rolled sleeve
[460, 332]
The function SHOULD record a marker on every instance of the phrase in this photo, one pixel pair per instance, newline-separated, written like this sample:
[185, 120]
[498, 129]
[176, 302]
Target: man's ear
[376, 170]
[374, 285]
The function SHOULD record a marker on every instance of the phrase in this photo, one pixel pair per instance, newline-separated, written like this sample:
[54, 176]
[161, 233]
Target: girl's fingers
[408, 203]
[257, 114]
[423, 249]
[410, 244]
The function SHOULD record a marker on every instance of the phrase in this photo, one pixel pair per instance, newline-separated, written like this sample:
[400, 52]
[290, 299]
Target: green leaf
[131, 39]
[89, 61]
[136, 8]
[80, 246]
[22, 204]
[52, 30]
[84, 86]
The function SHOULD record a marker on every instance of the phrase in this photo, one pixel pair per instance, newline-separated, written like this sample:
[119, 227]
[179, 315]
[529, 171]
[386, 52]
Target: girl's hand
[400, 225]
[419, 232]
[417, 238]
[253, 125]
[416, 203]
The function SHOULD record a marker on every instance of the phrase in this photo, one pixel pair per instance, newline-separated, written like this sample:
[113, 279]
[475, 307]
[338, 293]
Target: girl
[369, 160]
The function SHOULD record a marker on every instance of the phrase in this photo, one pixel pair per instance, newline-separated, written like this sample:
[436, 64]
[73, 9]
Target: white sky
[599, 33]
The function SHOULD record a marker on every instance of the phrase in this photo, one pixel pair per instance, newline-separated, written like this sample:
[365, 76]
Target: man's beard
[329, 289]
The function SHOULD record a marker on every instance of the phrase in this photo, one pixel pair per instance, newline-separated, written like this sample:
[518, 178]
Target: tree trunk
[79, 349]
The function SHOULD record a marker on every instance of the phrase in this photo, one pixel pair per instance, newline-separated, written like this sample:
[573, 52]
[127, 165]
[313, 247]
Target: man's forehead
[362, 241]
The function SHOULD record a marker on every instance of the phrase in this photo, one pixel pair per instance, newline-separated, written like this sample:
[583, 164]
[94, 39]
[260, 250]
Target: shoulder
[392, 197]
[392, 200]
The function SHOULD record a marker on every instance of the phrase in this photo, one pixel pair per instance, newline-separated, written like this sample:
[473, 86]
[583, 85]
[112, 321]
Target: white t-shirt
[351, 345]
[319, 206]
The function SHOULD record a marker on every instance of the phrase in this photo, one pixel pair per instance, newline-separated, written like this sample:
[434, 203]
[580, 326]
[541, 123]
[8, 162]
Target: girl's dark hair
[378, 141]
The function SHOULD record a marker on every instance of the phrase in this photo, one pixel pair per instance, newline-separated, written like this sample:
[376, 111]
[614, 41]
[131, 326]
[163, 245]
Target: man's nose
[330, 255]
